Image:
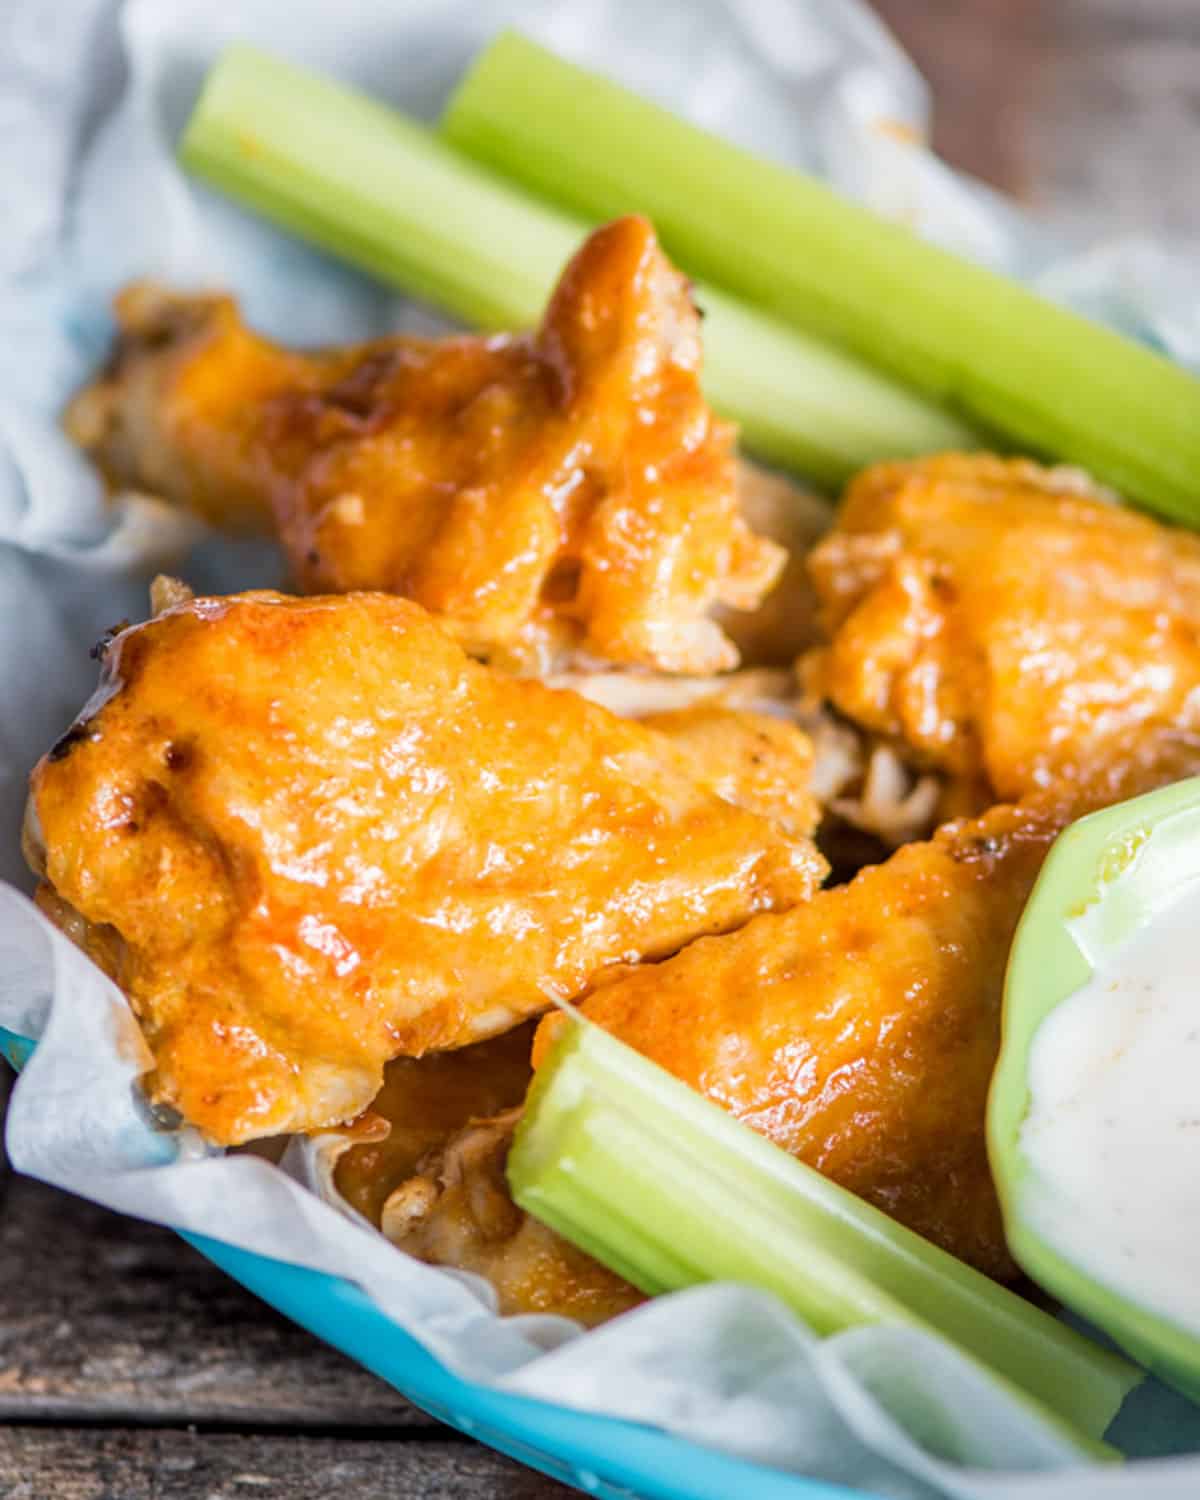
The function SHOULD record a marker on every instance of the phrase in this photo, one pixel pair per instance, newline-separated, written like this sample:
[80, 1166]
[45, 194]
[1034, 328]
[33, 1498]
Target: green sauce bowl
[1107, 875]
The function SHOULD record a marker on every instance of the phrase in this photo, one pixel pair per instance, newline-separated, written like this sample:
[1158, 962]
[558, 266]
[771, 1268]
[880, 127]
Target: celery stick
[381, 191]
[972, 340]
[810, 407]
[375, 188]
[668, 1190]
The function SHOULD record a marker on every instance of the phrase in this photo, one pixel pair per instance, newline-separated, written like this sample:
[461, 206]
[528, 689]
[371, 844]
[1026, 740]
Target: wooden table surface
[129, 1367]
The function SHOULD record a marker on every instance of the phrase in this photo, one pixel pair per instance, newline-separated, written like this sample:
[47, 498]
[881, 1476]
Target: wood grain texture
[1087, 109]
[104, 1317]
[977, 57]
[49, 1464]
[1113, 128]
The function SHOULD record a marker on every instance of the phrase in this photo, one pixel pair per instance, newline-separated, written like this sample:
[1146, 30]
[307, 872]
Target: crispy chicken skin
[739, 733]
[435, 1182]
[806, 767]
[565, 489]
[859, 1031]
[316, 835]
[751, 759]
[1003, 622]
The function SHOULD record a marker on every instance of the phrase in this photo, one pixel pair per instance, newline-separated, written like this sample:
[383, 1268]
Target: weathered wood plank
[1113, 125]
[976, 56]
[105, 1317]
[168, 1465]
[1088, 109]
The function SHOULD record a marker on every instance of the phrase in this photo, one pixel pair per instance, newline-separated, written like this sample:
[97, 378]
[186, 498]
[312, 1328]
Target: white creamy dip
[1113, 1130]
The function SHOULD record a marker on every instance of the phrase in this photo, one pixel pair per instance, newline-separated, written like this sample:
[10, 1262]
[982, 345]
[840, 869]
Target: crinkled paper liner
[818, 84]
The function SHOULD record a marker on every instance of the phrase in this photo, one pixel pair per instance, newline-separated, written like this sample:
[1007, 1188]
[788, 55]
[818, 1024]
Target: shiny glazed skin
[564, 489]
[311, 835]
[859, 1031]
[1004, 622]
[754, 760]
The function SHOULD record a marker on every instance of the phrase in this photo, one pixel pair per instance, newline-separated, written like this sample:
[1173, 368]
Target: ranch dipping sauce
[1113, 1129]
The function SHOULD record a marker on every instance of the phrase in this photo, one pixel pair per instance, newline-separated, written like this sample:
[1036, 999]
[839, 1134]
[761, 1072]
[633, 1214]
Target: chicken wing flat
[565, 489]
[435, 1183]
[859, 1031]
[1005, 623]
[308, 835]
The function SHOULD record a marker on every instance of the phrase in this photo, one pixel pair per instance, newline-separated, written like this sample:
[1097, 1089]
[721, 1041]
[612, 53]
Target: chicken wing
[308, 835]
[568, 488]
[751, 759]
[740, 733]
[764, 744]
[456, 1210]
[435, 1184]
[1004, 622]
[786, 622]
[423, 1103]
[859, 1031]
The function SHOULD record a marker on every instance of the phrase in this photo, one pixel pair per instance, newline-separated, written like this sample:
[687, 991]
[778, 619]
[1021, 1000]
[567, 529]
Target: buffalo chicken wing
[309, 835]
[1005, 624]
[565, 490]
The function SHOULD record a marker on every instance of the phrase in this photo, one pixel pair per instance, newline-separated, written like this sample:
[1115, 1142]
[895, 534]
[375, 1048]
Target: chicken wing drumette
[565, 489]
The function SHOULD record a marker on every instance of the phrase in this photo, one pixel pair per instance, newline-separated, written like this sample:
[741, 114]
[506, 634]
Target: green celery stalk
[669, 1191]
[377, 189]
[381, 191]
[974, 341]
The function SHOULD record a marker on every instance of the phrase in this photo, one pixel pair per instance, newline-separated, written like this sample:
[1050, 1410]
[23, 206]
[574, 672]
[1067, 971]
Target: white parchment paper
[92, 94]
